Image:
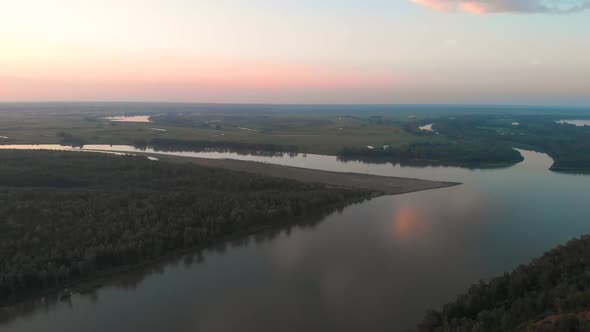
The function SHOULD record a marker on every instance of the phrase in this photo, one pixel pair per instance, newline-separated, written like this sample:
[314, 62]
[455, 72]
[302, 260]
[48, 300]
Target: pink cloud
[436, 4]
[507, 6]
[474, 7]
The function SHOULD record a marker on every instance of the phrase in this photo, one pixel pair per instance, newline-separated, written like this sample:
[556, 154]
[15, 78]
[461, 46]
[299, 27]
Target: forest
[568, 145]
[67, 217]
[471, 154]
[484, 140]
[551, 293]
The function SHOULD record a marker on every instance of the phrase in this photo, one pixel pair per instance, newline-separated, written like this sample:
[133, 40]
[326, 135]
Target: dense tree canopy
[568, 145]
[552, 293]
[484, 140]
[470, 154]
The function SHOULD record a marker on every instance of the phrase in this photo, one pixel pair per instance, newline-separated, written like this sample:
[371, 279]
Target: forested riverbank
[567, 144]
[67, 217]
[551, 293]
[470, 155]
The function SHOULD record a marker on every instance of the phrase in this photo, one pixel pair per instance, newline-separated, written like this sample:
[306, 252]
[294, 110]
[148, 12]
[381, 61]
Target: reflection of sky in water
[322, 162]
[130, 118]
[374, 266]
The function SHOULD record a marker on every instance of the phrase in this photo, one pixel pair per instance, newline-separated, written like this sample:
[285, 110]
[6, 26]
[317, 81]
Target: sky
[299, 51]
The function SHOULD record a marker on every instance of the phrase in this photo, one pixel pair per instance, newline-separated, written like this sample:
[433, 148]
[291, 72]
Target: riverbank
[551, 293]
[384, 184]
[570, 170]
[91, 284]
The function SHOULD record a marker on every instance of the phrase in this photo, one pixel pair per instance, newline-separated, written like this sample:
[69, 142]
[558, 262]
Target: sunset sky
[304, 51]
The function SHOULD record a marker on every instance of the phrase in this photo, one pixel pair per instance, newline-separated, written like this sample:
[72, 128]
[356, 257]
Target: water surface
[311, 161]
[427, 127]
[578, 123]
[130, 118]
[375, 266]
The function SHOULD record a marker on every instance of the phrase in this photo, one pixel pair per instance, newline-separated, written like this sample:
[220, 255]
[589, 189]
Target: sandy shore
[384, 184]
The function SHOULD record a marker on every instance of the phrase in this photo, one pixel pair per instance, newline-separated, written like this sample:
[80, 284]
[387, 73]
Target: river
[375, 266]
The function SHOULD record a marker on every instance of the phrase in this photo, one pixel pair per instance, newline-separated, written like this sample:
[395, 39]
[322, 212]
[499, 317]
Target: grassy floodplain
[461, 135]
[311, 133]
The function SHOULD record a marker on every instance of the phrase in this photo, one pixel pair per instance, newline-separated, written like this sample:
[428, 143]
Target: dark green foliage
[450, 153]
[68, 216]
[568, 145]
[555, 286]
[486, 140]
[71, 140]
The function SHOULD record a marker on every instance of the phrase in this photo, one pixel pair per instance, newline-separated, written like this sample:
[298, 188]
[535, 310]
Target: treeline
[71, 140]
[171, 144]
[440, 153]
[568, 145]
[66, 217]
[552, 293]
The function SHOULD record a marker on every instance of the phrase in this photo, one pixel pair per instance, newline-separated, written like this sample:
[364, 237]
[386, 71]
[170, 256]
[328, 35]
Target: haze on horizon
[348, 51]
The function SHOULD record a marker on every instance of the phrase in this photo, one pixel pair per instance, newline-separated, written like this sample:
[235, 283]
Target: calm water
[129, 118]
[375, 266]
[427, 127]
[578, 123]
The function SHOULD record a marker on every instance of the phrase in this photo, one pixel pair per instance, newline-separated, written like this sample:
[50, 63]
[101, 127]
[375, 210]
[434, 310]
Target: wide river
[375, 266]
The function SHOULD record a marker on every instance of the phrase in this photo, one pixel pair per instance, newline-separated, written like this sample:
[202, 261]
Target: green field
[322, 134]
[462, 136]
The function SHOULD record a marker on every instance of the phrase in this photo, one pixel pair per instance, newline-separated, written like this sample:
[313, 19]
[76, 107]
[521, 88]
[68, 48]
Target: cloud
[508, 6]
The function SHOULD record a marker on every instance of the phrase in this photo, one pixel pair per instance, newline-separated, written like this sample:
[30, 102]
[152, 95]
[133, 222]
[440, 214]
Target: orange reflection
[406, 223]
[412, 223]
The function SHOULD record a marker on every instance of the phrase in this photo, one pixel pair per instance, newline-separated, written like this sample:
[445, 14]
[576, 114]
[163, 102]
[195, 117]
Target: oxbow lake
[375, 266]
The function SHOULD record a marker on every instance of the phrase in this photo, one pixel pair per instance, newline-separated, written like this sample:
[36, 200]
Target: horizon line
[459, 104]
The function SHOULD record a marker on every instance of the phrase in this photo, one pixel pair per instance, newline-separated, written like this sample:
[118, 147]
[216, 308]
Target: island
[68, 218]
